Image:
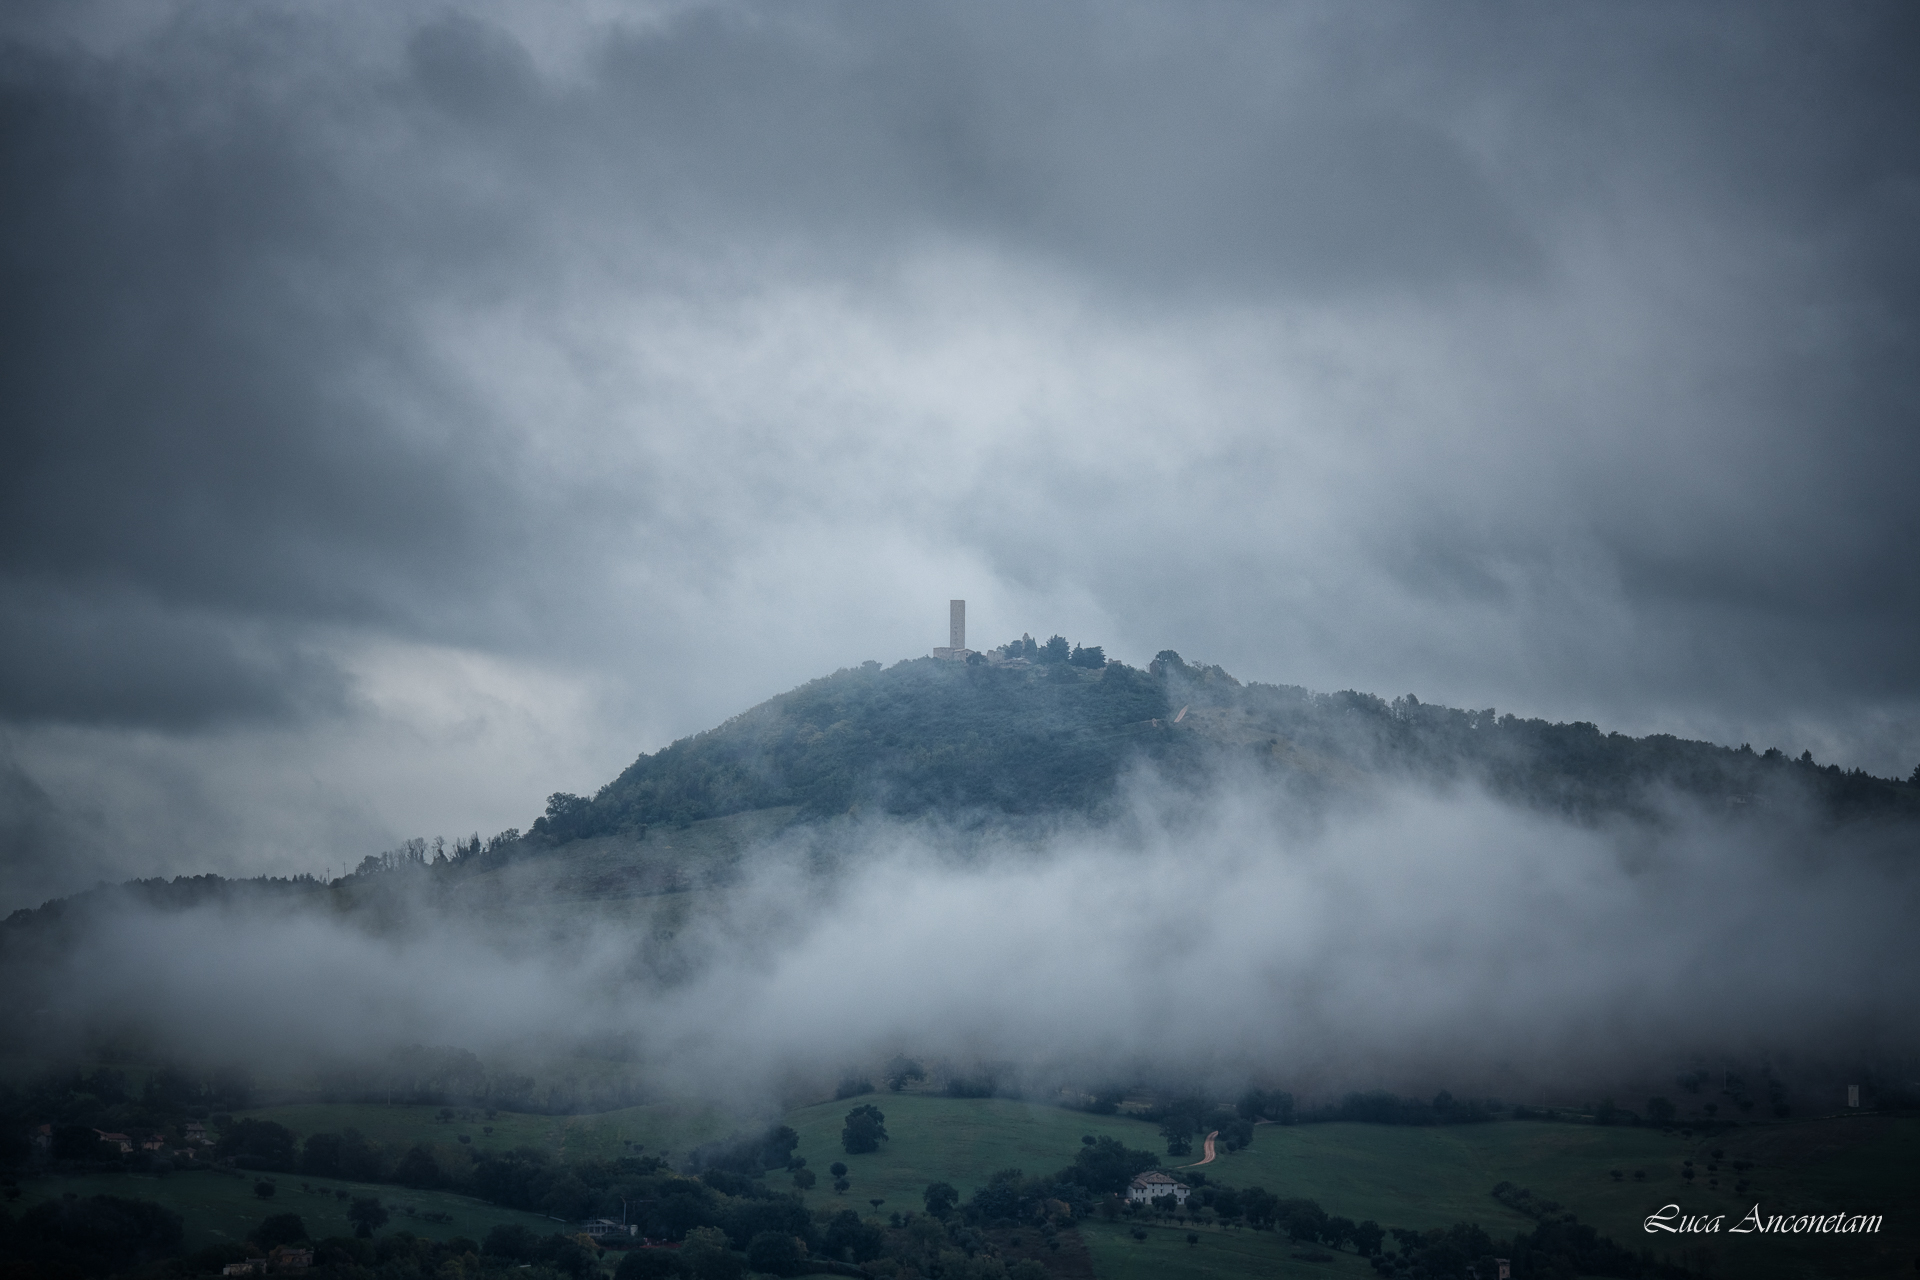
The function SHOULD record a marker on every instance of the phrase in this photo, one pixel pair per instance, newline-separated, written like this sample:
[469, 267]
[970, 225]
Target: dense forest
[926, 735]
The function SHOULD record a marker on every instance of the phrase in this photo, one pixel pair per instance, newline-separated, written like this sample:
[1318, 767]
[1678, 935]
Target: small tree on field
[940, 1199]
[865, 1130]
[366, 1213]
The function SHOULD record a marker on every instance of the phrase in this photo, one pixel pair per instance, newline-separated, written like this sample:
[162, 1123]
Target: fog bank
[1434, 939]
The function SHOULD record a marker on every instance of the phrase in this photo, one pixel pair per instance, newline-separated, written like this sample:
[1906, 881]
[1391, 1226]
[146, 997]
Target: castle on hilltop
[955, 649]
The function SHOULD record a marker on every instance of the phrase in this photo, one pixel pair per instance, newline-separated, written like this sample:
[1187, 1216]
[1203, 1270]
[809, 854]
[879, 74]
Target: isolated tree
[366, 1214]
[940, 1199]
[838, 1169]
[865, 1130]
[803, 1179]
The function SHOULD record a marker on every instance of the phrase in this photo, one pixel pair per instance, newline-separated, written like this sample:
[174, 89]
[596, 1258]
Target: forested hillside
[927, 735]
[1013, 741]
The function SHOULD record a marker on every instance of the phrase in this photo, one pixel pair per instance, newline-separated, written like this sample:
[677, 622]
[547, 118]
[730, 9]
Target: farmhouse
[120, 1140]
[1154, 1185]
[597, 1227]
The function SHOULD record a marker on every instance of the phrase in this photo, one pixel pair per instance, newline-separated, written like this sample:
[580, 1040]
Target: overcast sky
[413, 409]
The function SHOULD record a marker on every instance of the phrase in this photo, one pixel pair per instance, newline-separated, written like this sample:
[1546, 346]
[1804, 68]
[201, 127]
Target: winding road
[1208, 1157]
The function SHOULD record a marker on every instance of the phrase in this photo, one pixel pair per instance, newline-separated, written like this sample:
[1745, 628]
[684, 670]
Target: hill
[1026, 741]
[1008, 738]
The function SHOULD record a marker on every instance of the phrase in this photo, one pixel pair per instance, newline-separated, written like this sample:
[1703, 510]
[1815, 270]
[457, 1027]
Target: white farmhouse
[1152, 1186]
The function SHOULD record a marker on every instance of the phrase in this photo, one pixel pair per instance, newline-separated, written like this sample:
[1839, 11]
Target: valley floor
[1402, 1177]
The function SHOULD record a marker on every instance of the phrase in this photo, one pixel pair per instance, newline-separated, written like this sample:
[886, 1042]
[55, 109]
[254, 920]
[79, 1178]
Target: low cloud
[1427, 939]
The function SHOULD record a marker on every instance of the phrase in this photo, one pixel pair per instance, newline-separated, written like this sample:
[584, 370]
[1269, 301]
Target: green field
[219, 1206]
[935, 1139]
[1418, 1178]
[659, 1128]
[1423, 1177]
[1397, 1176]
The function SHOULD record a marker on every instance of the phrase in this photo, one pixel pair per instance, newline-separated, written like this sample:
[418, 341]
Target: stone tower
[955, 650]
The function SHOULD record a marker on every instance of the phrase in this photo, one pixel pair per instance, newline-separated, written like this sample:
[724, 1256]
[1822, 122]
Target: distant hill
[927, 735]
[1003, 742]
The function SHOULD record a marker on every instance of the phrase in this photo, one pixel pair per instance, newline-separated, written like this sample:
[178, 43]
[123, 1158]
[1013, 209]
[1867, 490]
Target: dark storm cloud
[111, 657]
[1554, 358]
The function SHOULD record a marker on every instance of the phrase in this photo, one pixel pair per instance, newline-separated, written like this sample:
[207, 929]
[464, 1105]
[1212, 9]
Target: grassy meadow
[1432, 1177]
[1408, 1177]
[218, 1206]
[937, 1139]
[659, 1128]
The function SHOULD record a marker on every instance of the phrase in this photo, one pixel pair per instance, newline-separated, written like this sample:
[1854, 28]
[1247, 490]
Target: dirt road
[1208, 1157]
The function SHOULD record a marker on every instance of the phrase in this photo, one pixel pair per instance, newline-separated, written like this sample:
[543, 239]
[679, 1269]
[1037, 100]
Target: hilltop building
[955, 650]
